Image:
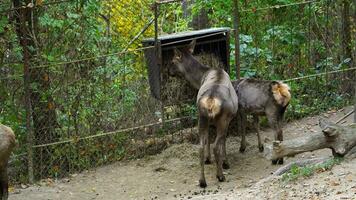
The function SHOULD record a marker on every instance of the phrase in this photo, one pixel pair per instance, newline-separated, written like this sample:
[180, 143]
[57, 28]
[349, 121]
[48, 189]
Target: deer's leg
[218, 149]
[278, 133]
[225, 163]
[203, 134]
[4, 184]
[257, 126]
[243, 119]
[207, 153]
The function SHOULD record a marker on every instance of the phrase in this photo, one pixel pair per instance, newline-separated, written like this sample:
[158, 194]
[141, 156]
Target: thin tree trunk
[43, 107]
[346, 44]
[201, 20]
[345, 33]
[186, 8]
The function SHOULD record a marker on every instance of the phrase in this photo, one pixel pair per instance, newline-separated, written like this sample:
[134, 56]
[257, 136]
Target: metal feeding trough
[211, 45]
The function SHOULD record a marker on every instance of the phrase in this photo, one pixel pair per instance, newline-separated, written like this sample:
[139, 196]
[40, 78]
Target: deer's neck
[195, 72]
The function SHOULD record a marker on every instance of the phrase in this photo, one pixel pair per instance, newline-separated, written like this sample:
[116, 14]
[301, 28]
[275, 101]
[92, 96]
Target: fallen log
[340, 139]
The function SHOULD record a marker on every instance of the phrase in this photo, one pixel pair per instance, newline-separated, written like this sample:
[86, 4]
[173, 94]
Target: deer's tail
[210, 105]
[281, 93]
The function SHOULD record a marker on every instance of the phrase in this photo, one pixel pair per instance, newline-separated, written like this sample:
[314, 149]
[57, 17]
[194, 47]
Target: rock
[342, 174]
[349, 178]
[334, 183]
[226, 173]
[66, 180]
[24, 186]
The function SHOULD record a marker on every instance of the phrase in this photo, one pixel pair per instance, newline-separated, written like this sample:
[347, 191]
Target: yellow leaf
[39, 2]
[11, 189]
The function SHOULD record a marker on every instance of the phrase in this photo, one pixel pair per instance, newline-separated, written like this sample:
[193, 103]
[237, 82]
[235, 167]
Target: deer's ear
[177, 54]
[192, 46]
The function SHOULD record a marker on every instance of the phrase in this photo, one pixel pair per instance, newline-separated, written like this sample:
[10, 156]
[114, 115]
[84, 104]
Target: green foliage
[307, 171]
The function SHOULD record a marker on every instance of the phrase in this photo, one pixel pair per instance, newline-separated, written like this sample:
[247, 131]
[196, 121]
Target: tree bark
[346, 44]
[340, 139]
[43, 108]
[200, 20]
[186, 8]
[345, 33]
[355, 102]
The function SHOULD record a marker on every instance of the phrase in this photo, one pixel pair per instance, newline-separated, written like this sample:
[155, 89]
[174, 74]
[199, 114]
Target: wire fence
[91, 110]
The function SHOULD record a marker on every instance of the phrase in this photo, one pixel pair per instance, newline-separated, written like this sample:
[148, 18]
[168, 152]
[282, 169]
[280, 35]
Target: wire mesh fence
[92, 105]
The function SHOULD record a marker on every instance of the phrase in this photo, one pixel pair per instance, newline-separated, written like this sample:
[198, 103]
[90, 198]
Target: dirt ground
[174, 174]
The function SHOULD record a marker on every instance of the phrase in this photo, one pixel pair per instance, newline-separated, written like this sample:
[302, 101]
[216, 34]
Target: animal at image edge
[216, 101]
[7, 144]
[258, 98]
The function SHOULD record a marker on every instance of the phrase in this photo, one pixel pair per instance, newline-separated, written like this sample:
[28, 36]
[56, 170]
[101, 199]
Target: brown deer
[262, 97]
[216, 101]
[7, 144]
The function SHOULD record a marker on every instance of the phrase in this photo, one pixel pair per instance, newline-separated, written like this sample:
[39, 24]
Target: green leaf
[3, 23]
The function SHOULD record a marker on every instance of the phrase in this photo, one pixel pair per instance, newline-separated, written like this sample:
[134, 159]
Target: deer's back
[216, 83]
[254, 95]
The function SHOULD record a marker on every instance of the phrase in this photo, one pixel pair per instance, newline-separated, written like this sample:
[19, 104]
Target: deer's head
[181, 59]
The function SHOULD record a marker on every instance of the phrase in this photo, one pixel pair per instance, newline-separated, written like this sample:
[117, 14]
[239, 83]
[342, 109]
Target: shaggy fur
[262, 97]
[7, 144]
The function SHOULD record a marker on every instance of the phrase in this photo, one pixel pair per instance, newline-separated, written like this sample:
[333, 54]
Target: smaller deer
[7, 144]
[262, 97]
[217, 104]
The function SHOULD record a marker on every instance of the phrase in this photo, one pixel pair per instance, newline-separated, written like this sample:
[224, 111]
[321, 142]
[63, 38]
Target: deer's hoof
[220, 178]
[280, 161]
[261, 148]
[207, 161]
[225, 165]
[202, 183]
[274, 162]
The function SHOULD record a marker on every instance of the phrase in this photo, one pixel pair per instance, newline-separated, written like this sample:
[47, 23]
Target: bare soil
[174, 174]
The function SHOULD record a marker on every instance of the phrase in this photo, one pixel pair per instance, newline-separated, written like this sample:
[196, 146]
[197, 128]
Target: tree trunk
[355, 102]
[186, 8]
[340, 139]
[200, 20]
[345, 33]
[43, 107]
[346, 49]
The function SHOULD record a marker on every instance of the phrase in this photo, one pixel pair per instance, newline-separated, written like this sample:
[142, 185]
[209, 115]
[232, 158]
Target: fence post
[158, 54]
[237, 41]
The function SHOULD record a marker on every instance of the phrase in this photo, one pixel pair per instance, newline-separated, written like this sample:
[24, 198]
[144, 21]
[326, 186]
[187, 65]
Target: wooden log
[340, 139]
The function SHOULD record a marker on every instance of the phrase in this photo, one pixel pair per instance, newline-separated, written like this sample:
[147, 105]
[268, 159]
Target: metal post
[158, 52]
[237, 41]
